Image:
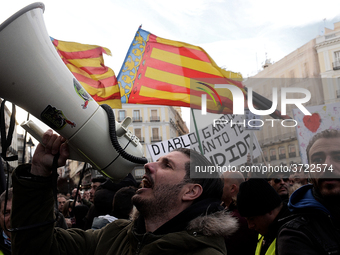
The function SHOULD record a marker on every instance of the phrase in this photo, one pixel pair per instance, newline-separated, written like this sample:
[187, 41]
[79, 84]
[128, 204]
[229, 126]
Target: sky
[238, 35]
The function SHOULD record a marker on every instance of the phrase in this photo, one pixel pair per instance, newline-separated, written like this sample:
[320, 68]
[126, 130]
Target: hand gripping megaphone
[33, 76]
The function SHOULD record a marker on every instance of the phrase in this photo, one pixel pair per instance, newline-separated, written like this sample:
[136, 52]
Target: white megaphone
[33, 76]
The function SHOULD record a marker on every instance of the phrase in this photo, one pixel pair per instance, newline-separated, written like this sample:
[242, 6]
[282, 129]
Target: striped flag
[164, 72]
[86, 63]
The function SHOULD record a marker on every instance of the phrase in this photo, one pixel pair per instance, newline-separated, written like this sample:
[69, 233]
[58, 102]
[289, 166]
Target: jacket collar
[206, 217]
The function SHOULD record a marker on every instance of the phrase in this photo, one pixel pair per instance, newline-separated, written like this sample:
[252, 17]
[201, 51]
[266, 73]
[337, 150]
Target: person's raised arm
[33, 214]
[43, 156]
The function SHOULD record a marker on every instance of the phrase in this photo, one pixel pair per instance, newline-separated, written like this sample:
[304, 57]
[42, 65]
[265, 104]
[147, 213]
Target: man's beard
[165, 198]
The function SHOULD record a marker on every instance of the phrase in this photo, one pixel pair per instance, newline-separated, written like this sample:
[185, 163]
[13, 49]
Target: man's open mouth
[146, 183]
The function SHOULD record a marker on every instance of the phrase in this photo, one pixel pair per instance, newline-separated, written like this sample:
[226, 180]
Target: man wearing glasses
[279, 181]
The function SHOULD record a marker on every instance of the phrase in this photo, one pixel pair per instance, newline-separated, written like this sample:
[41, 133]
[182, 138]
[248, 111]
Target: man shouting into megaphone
[177, 214]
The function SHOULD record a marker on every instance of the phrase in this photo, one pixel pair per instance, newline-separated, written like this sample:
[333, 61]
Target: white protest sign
[222, 144]
[160, 149]
[323, 117]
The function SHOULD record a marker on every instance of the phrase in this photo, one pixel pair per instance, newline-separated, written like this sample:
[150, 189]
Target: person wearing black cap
[264, 211]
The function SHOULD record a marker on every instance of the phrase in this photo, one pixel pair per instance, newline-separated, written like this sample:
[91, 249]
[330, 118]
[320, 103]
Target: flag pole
[196, 130]
[25, 137]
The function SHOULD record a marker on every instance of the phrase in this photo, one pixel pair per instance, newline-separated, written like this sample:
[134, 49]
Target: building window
[337, 56]
[336, 63]
[292, 151]
[154, 116]
[272, 154]
[282, 152]
[136, 116]
[121, 115]
[155, 135]
[138, 133]
[265, 155]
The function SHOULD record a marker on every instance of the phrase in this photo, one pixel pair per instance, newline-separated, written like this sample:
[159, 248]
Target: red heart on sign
[312, 122]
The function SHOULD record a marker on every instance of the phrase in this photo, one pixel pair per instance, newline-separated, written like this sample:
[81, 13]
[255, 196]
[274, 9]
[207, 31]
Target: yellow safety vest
[1, 253]
[271, 249]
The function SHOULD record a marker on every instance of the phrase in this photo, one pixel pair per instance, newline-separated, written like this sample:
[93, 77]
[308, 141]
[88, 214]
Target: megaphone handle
[38, 133]
[33, 129]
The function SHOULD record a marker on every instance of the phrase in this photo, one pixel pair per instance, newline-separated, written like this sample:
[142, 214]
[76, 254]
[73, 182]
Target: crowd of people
[102, 203]
[171, 213]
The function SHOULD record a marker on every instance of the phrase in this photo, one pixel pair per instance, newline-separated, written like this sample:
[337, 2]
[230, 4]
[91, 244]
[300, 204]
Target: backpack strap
[7, 140]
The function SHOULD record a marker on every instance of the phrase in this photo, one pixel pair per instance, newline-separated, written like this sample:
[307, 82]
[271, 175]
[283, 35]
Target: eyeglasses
[278, 180]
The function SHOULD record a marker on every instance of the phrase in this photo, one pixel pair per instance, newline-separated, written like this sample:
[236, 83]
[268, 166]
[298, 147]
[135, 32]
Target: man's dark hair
[122, 202]
[328, 133]
[99, 179]
[103, 201]
[3, 196]
[211, 183]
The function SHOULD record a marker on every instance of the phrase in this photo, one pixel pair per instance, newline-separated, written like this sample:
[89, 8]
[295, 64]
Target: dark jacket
[244, 240]
[313, 229]
[196, 230]
[274, 228]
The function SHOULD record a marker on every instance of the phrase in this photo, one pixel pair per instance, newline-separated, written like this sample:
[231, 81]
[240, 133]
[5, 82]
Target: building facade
[314, 66]
[152, 124]
[328, 50]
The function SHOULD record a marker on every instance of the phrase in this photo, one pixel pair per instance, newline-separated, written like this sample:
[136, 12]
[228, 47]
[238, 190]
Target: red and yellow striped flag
[86, 63]
[164, 72]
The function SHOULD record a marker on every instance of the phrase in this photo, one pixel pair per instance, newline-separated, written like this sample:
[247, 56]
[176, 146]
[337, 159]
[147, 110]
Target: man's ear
[192, 191]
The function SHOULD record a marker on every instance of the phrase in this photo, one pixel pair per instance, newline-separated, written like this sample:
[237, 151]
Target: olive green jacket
[33, 203]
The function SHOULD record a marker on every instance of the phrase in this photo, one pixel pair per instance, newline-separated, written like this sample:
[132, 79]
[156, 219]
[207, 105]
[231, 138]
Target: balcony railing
[292, 154]
[156, 139]
[336, 65]
[282, 156]
[137, 119]
[154, 119]
[273, 157]
[275, 139]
